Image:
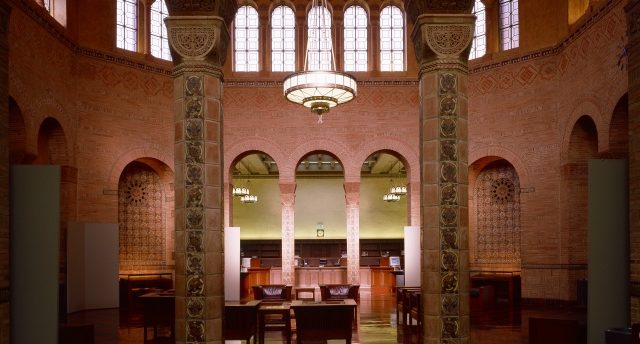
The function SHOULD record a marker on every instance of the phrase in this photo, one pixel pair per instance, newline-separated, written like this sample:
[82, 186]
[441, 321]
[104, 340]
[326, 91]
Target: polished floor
[377, 324]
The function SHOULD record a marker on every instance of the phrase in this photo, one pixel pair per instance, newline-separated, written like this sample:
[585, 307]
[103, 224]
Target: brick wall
[4, 175]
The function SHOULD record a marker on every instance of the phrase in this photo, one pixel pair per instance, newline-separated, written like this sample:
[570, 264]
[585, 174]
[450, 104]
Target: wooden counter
[383, 280]
[314, 276]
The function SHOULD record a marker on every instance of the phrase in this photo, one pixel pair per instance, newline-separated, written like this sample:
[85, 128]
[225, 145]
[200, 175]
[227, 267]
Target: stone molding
[416, 8]
[442, 41]
[199, 40]
[225, 9]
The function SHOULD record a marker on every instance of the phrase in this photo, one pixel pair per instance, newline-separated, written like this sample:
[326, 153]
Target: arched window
[159, 40]
[509, 24]
[391, 39]
[246, 39]
[355, 39]
[479, 44]
[127, 25]
[283, 39]
[319, 43]
[47, 5]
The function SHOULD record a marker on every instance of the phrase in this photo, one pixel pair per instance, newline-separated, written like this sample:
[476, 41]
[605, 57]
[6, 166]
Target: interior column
[633, 51]
[199, 48]
[352, 197]
[4, 173]
[442, 44]
[287, 199]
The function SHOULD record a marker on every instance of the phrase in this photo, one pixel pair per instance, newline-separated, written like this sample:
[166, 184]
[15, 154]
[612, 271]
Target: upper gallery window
[355, 39]
[479, 44]
[246, 39]
[283, 39]
[127, 24]
[159, 40]
[391, 39]
[509, 24]
[319, 43]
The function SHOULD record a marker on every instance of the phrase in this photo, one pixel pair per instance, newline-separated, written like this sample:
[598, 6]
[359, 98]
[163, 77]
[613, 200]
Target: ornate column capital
[352, 193]
[197, 43]
[443, 41]
[287, 194]
[416, 8]
[225, 9]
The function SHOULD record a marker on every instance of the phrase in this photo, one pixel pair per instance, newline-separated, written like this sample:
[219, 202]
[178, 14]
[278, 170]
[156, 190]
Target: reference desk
[324, 320]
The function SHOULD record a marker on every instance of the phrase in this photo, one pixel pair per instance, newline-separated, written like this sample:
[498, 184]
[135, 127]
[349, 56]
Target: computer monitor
[394, 261]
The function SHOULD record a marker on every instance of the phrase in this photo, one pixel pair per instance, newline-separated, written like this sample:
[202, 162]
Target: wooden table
[324, 320]
[306, 290]
[159, 310]
[282, 309]
[240, 320]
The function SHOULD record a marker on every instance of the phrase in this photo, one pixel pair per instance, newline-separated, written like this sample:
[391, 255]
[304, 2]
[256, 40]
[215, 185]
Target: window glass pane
[127, 24]
[159, 39]
[246, 40]
[391, 39]
[319, 42]
[479, 45]
[509, 24]
[355, 39]
[282, 39]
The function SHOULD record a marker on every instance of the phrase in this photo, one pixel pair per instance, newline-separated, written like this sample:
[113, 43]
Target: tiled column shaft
[633, 49]
[352, 197]
[442, 45]
[197, 44]
[287, 199]
[4, 173]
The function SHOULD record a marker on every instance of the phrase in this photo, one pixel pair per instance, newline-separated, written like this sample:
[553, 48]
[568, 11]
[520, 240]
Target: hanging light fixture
[239, 191]
[391, 198]
[399, 190]
[249, 199]
[319, 87]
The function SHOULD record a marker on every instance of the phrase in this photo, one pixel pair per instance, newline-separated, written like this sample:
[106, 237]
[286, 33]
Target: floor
[377, 324]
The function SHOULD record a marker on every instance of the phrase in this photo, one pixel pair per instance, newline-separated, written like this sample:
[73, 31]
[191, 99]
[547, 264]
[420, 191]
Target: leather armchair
[330, 292]
[272, 292]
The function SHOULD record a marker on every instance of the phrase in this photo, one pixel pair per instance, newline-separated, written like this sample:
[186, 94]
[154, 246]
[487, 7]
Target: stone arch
[52, 144]
[585, 108]
[480, 157]
[253, 144]
[360, 3]
[618, 146]
[279, 3]
[409, 157]
[335, 148]
[166, 158]
[145, 216]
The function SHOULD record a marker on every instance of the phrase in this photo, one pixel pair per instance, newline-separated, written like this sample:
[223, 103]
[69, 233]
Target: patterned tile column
[633, 49]
[199, 48]
[288, 200]
[4, 173]
[352, 197]
[442, 43]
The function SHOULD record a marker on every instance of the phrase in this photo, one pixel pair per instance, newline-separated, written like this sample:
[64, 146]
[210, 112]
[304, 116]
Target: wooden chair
[403, 303]
[241, 321]
[415, 311]
[329, 292]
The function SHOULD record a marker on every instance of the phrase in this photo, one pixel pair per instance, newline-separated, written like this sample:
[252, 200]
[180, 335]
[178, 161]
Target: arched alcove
[619, 130]
[17, 134]
[52, 144]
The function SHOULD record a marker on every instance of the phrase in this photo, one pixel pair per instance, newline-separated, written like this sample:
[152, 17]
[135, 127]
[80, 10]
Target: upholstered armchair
[272, 292]
[330, 292]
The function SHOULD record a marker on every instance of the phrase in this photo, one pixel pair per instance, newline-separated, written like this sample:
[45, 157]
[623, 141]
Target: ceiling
[319, 164]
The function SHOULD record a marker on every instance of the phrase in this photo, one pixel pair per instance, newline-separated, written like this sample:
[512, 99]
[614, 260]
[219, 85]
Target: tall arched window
[355, 39]
[127, 24]
[391, 39]
[283, 39]
[479, 44]
[246, 40]
[159, 40]
[509, 24]
[319, 42]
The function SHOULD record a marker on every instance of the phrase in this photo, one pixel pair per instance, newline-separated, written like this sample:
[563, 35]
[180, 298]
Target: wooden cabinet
[383, 281]
[253, 276]
[373, 250]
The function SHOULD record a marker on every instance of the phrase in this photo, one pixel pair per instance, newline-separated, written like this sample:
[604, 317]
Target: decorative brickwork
[497, 197]
[141, 219]
[352, 198]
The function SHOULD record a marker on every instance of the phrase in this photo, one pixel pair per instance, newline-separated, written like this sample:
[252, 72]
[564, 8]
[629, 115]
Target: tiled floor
[377, 324]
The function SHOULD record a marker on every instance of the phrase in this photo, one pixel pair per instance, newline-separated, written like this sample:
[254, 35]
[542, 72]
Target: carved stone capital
[633, 19]
[416, 8]
[225, 9]
[197, 41]
[443, 38]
